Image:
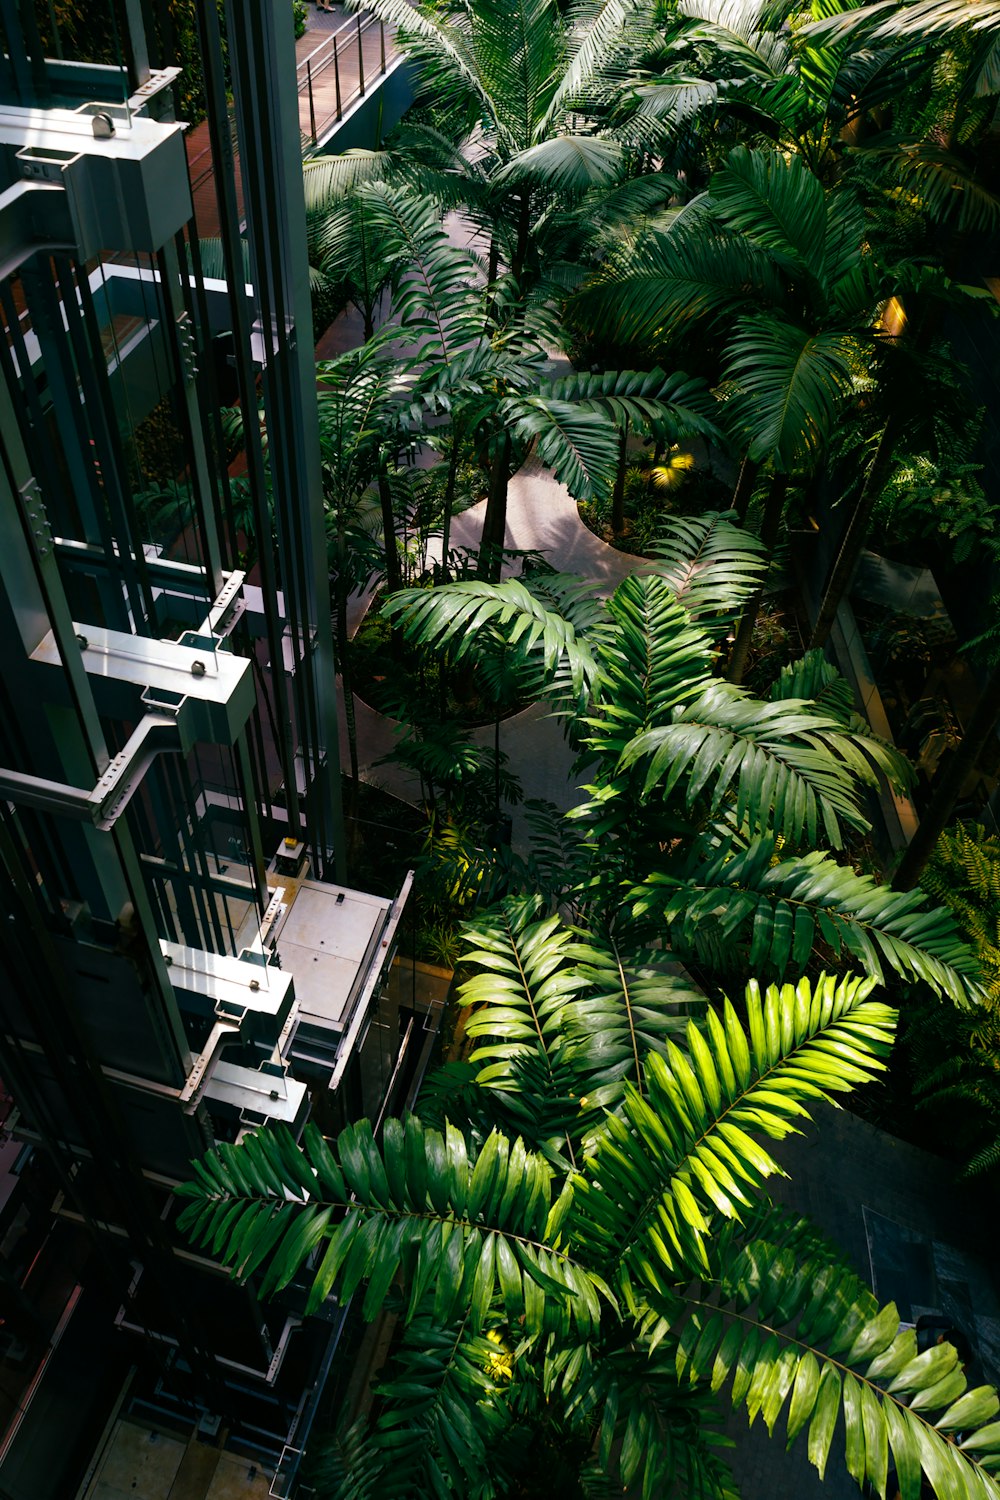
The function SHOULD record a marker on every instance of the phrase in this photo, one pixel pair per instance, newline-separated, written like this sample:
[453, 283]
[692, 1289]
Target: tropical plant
[539, 176]
[492, 384]
[591, 1285]
[774, 266]
[954, 1055]
[705, 808]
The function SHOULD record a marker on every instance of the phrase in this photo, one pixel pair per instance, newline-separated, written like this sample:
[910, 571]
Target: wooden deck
[335, 68]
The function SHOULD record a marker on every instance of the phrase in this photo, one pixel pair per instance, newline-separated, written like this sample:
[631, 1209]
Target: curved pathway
[543, 517]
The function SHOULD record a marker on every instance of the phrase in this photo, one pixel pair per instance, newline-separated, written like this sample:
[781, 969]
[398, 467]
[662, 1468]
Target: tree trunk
[854, 537]
[495, 520]
[523, 239]
[618, 493]
[393, 576]
[496, 774]
[449, 502]
[770, 527]
[981, 726]
[745, 487]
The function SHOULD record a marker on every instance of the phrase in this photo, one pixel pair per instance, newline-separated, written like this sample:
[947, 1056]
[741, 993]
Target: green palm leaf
[580, 446]
[566, 164]
[560, 1018]
[647, 295]
[812, 676]
[436, 295]
[778, 203]
[790, 387]
[656, 661]
[448, 618]
[779, 910]
[675, 406]
[418, 1204]
[888, 20]
[689, 1148]
[808, 1340]
[787, 767]
[711, 566]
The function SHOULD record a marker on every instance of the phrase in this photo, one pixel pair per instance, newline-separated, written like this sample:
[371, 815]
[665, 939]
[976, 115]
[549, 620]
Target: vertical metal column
[262, 60]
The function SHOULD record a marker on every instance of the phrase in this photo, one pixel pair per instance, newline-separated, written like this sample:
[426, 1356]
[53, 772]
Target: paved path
[542, 517]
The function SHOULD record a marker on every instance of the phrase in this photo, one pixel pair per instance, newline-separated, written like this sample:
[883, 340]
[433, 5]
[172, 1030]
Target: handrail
[336, 50]
[348, 25]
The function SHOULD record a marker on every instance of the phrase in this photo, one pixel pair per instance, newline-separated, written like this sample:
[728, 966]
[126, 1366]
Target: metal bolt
[197, 669]
[255, 984]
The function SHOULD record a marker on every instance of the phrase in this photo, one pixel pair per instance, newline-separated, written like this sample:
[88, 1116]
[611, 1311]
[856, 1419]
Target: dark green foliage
[955, 1055]
[705, 805]
[611, 1286]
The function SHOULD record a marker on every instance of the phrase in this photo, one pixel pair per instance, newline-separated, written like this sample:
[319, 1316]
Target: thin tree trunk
[451, 485]
[496, 775]
[745, 487]
[492, 272]
[523, 238]
[618, 493]
[393, 576]
[981, 726]
[854, 537]
[495, 520]
[770, 527]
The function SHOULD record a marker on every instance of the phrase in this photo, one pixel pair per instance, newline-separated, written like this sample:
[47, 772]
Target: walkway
[328, 56]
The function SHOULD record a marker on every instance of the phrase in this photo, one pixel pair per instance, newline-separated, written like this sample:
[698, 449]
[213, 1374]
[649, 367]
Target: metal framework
[182, 959]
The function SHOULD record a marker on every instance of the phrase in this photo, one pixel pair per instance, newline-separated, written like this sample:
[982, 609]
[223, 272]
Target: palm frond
[447, 618]
[778, 911]
[651, 290]
[776, 201]
[568, 164]
[823, 1354]
[887, 20]
[675, 406]
[711, 565]
[790, 387]
[815, 678]
[580, 446]
[328, 180]
[688, 1149]
[657, 660]
[417, 1203]
[435, 292]
[788, 768]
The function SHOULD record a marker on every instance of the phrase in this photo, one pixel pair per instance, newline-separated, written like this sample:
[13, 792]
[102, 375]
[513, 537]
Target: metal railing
[343, 51]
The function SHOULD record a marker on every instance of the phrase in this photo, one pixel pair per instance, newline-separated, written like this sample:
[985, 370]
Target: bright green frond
[688, 1149]
[711, 566]
[656, 661]
[417, 1204]
[806, 1340]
